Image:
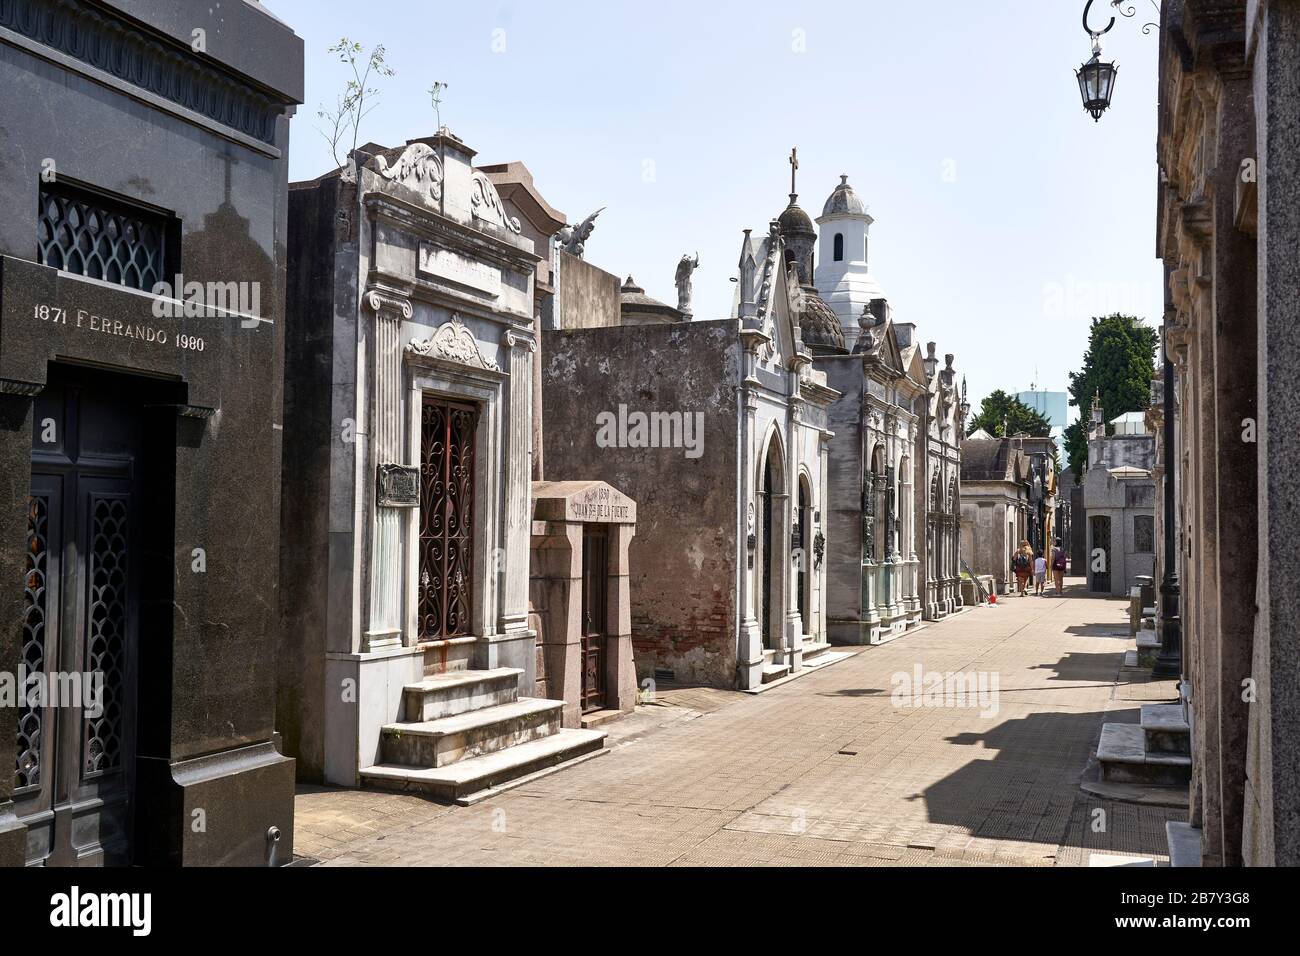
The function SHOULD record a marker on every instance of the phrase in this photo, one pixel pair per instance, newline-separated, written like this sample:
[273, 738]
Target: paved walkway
[824, 770]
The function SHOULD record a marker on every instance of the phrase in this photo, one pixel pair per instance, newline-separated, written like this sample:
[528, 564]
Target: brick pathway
[825, 770]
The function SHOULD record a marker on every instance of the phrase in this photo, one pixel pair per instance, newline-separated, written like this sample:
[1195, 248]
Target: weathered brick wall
[683, 558]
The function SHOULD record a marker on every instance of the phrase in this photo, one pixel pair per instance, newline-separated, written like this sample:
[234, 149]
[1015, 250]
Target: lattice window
[35, 613]
[91, 235]
[106, 638]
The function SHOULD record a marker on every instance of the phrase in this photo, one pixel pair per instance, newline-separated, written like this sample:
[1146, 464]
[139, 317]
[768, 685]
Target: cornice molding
[90, 35]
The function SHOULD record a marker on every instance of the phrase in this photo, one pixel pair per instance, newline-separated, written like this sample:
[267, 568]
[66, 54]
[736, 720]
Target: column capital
[520, 339]
[382, 300]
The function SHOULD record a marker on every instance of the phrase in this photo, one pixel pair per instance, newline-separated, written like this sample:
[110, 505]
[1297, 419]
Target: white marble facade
[443, 312]
[782, 491]
[946, 412]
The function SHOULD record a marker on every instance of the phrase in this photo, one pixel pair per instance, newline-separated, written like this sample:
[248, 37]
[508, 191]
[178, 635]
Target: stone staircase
[465, 733]
[773, 671]
[1154, 752]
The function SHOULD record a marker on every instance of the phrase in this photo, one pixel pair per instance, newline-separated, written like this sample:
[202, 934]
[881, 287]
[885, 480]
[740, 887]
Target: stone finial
[947, 359]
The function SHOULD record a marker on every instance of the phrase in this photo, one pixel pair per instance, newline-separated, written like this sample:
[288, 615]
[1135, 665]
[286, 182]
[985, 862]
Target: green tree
[1001, 414]
[1118, 365]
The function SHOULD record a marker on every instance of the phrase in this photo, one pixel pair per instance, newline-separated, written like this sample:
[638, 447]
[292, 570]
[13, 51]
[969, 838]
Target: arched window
[839, 247]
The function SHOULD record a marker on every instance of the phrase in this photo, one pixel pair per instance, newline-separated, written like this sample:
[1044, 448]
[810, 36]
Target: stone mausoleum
[893, 468]
[1119, 501]
[140, 430]
[717, 428]
[409, 655]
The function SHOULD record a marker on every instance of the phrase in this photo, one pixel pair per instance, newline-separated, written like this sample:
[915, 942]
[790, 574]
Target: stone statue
[573, 239]
[684, 270]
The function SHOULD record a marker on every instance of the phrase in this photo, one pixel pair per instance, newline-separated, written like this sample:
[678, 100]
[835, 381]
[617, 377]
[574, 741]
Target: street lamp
[1096, 83]
[1096, 78]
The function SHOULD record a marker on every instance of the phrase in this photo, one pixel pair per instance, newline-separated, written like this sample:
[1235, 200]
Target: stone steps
[464, 732]
[1124, 758]
[459, 692]
[774, 672]
[437, 743]
[1165, 729]
[814, 649]
[462, 780]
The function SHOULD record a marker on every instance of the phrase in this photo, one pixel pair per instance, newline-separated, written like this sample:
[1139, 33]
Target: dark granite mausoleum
[142, 141]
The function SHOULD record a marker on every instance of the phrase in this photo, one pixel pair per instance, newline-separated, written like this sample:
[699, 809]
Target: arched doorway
[803, 539]
[774, 547]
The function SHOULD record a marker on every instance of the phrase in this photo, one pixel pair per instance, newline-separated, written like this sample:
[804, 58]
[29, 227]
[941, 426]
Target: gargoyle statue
[573, 239]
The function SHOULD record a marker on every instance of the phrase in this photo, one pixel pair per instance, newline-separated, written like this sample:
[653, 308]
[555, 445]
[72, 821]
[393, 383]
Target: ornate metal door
[77, 732]
[446, 519]
[595, 591]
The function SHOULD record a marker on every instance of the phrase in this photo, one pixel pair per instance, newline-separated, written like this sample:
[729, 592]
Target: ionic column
[386, 431]
[518, 457]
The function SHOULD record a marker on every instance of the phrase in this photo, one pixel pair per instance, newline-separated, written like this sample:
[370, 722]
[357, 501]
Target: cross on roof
[794, 166]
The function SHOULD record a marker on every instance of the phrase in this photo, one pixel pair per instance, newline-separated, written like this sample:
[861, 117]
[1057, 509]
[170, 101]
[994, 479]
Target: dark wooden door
[446, 519]
[595, 623]
[77, 741]
[802, 542]
[1099, 560]
[765, 503]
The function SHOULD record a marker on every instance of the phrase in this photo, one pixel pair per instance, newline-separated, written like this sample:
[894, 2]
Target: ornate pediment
[417, 170]
[454, 342]
[485, 203]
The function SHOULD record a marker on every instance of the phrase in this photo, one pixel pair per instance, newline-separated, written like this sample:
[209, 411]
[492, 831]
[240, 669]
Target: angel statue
[684, 270]
[573, 239]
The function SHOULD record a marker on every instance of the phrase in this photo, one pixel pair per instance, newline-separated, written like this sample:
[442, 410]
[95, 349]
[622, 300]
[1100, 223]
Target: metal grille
[446, 519]
[35, 612]
[89, 235]
[106, 631]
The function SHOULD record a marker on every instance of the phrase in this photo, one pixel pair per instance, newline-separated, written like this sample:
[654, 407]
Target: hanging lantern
[1096, 83]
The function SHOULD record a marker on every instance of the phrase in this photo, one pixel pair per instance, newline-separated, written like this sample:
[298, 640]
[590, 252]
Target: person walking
[1040, 574]
[1058, 566]
[1022, 563]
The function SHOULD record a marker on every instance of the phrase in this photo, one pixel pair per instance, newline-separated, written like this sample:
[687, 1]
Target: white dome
[843, 201]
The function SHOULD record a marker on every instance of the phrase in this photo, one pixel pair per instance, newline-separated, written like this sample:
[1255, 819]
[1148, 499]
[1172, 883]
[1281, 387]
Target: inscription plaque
[399, 486]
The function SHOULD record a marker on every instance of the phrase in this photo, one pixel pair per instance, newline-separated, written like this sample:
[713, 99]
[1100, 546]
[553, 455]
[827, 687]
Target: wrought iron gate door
[77, 736]
[595, 590]
[446, 519]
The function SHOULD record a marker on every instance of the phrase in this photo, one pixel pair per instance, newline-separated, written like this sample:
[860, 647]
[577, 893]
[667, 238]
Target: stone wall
[684, 556]
[589, 296]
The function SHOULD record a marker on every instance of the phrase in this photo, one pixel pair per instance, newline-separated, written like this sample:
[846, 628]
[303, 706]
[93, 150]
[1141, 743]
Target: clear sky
[1005, 217]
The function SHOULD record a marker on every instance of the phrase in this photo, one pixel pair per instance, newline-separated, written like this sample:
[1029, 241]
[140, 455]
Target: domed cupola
[797, 230]
[819, 326]
[843, 201]
[800, 238]
[843, 275]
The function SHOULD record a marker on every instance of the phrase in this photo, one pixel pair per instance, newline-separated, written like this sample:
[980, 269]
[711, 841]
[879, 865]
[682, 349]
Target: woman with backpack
[1022, 563]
